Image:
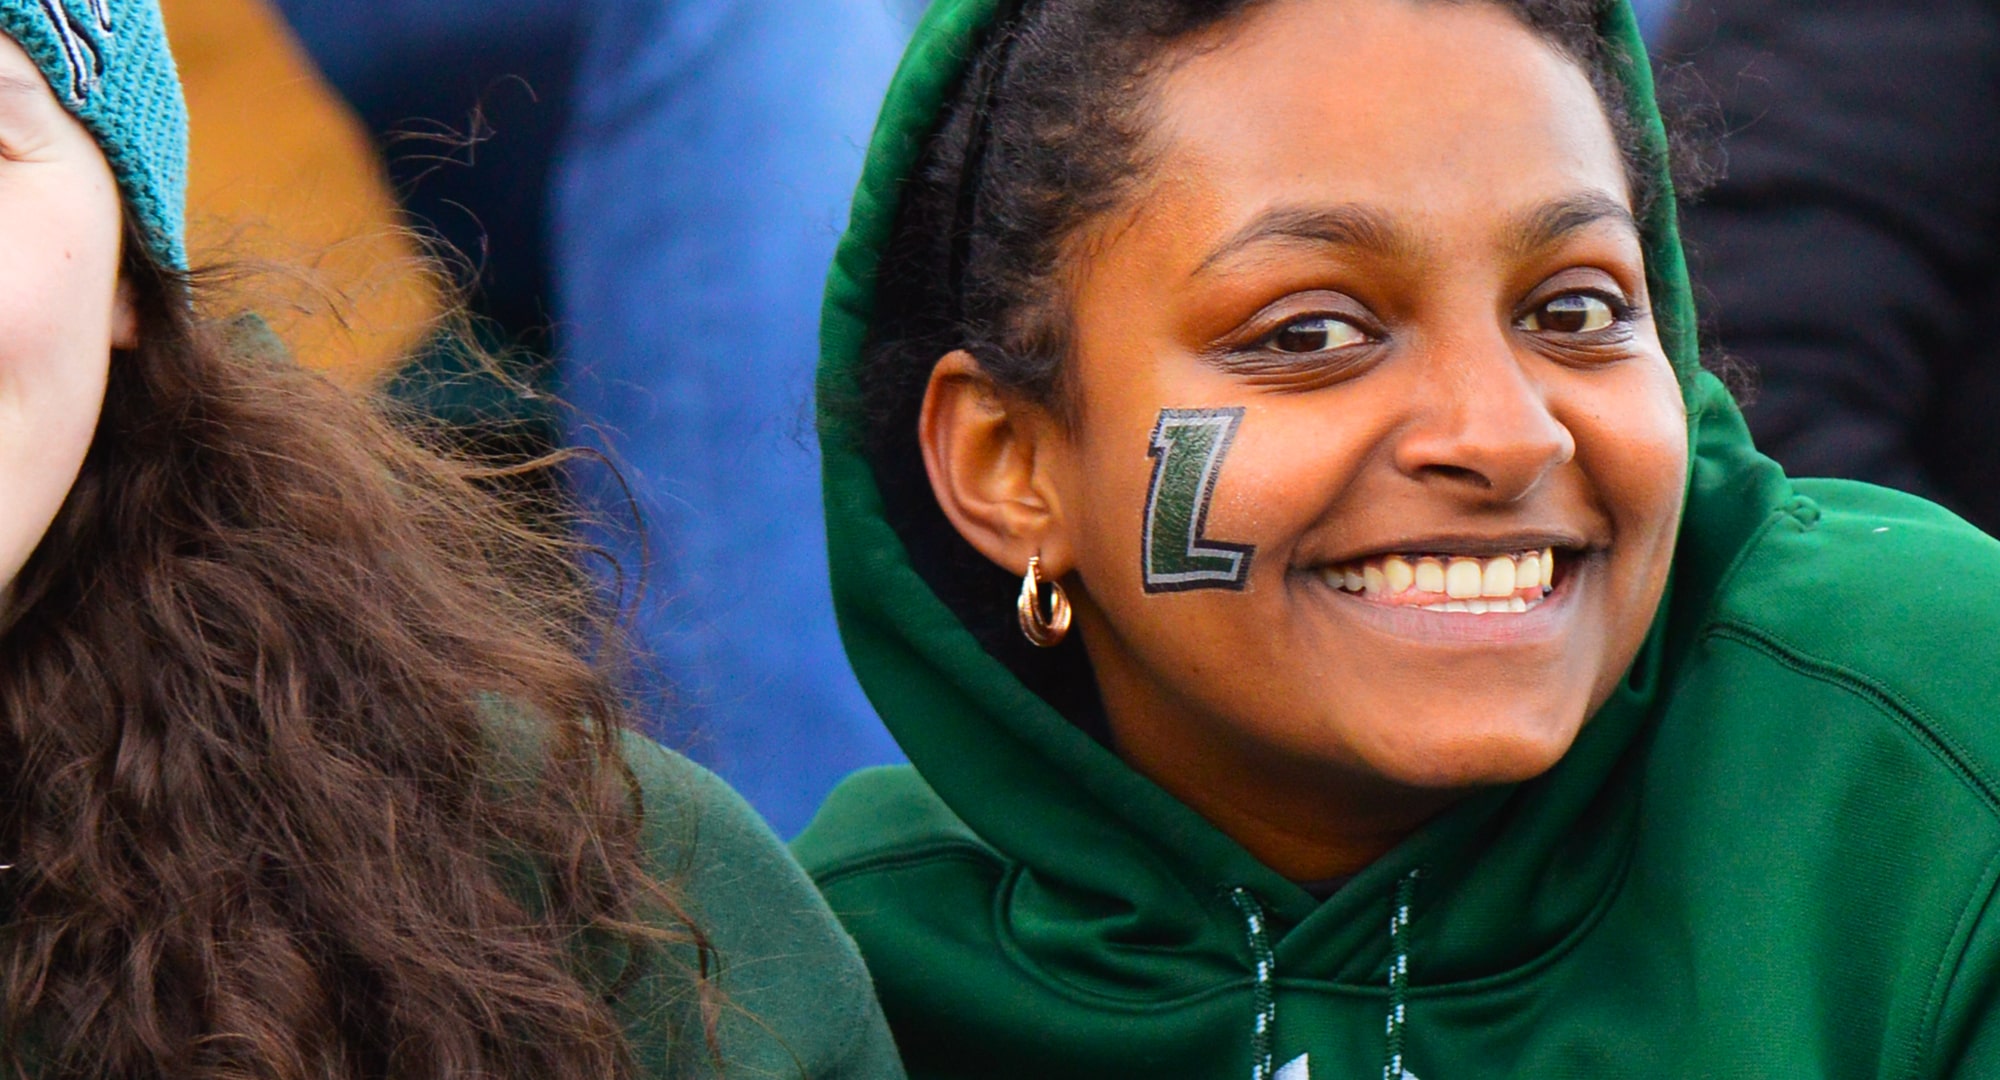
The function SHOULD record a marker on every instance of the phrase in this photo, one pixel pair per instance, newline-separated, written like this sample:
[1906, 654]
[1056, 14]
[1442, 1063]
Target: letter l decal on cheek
[1187, 448]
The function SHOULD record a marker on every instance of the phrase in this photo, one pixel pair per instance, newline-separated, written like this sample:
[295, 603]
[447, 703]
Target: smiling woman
[1452, 690]
[1414, 292]
[312, 759]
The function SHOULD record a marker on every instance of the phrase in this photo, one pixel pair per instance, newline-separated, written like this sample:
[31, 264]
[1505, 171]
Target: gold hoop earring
[1045, 633]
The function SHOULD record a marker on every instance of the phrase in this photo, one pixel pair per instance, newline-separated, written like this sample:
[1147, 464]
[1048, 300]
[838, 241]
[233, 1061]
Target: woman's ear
[991, 458]
[124, 317]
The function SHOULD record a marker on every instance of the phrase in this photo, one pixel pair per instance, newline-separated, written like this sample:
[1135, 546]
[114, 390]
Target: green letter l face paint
[1187, 448]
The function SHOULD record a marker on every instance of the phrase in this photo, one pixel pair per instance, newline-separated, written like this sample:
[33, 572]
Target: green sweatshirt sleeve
[798, 1001]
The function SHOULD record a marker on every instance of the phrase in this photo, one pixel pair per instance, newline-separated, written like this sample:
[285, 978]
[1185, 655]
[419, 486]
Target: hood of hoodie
[1107, 889]
[1024, 777]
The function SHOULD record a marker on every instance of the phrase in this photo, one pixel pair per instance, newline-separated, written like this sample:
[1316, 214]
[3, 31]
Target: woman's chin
[1440, 755]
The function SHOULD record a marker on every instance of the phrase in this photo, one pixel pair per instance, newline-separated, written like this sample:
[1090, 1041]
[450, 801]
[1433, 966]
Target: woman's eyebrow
[1356, 226]
[1547, 224]
[1336, 226]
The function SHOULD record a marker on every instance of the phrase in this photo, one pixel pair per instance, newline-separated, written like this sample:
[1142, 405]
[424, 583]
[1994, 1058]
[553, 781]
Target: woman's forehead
[33, 121]
[18, 73]
[1406, 110]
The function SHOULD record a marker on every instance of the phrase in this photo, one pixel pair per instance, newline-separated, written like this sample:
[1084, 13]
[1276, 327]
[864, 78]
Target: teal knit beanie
[108, 62]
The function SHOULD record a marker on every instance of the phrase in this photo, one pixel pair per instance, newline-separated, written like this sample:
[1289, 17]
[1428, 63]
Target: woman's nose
[1480, 424]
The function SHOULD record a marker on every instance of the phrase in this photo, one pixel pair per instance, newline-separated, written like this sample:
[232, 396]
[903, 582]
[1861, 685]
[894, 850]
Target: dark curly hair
[309, 763]
[1042, 137]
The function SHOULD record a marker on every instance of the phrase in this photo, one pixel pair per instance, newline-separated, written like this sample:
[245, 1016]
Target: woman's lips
[1448, 584]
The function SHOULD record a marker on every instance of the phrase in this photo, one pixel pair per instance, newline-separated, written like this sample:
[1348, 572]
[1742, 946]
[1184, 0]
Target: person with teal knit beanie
[312, 761]
[107, 61]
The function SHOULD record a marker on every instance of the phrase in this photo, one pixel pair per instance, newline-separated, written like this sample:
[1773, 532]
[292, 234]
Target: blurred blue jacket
[668, 179]
[1654, 15]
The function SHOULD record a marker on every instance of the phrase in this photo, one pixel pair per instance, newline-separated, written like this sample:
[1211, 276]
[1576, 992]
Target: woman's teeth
[1507, 584]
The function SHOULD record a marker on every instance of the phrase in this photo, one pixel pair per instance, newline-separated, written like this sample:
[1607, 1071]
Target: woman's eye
[1575, 313]
[1317, 333]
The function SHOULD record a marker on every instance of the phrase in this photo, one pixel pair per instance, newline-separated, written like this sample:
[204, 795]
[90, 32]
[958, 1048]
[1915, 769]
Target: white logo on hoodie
[1300, 1068]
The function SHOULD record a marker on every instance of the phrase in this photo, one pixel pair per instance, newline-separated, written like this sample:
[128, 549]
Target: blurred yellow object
[282, 171]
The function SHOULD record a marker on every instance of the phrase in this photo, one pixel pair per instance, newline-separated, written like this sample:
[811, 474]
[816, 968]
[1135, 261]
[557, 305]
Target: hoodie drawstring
[1261, 1062]
[1264, 988]
[1399, 975]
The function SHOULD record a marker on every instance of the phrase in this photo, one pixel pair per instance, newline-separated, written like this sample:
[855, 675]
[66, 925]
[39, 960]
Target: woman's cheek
[55, 360]
[1652, 447]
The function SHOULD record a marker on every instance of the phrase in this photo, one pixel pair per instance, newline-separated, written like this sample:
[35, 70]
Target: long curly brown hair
[309, 765]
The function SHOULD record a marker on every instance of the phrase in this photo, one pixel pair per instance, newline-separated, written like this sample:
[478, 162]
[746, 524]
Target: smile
[1498, 585]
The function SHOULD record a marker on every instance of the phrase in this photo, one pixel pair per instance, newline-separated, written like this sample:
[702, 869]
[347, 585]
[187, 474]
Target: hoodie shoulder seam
[1885, 699]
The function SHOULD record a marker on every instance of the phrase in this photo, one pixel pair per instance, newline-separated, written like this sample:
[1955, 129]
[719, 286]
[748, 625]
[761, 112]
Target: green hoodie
[1773, 854]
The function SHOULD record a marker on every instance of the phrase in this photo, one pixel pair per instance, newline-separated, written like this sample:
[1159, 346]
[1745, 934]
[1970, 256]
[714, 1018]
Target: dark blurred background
[1848, 255]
